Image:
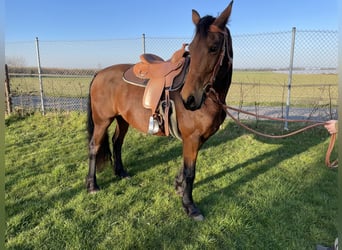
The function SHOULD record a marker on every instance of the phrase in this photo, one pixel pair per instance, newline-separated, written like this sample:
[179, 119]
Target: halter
[215, 29]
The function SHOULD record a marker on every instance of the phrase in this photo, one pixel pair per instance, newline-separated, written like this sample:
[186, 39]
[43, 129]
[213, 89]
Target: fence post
[289, 80]
[40, 77]
[8, 91]
[143, 43]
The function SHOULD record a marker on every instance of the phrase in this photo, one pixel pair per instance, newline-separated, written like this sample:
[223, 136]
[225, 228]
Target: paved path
[317, 114]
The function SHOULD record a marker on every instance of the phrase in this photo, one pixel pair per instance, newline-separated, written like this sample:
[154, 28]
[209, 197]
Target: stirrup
[153, 126]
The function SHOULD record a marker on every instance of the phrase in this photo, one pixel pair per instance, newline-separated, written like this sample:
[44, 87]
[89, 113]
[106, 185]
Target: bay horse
[199, 114]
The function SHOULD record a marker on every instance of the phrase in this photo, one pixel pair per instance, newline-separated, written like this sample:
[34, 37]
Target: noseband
[224, 49]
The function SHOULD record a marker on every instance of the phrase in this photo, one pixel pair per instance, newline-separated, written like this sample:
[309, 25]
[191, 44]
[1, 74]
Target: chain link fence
[261, 79]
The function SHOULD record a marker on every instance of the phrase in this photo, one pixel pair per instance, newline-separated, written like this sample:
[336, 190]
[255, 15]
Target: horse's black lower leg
[179, 183]
[184, 186]
[118, 138]
[185, 179]
[92, 186]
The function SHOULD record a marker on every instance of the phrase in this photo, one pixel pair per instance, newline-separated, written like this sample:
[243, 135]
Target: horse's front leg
[185, 180]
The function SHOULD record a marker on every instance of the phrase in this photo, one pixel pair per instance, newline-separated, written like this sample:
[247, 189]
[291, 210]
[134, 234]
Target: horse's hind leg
[92, 186]
[118, 138]
[95, 158]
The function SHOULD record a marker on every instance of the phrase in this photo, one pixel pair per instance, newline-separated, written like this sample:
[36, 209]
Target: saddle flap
[155, 88]
[153, 93]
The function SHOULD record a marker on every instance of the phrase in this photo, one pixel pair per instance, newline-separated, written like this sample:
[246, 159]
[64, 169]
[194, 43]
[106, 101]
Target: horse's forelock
[203, 25]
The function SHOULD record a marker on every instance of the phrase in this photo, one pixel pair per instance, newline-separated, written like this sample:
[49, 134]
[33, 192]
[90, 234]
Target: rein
[226, 108]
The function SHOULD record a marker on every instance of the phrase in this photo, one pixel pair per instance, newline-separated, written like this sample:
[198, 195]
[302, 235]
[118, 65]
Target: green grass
[268, 77]
[269, 88]
[256, 193]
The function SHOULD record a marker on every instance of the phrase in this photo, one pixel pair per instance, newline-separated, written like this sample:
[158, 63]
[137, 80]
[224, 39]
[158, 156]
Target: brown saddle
[158, 77]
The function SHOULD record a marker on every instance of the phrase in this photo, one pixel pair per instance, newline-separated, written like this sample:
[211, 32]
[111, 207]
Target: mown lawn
[255, 193]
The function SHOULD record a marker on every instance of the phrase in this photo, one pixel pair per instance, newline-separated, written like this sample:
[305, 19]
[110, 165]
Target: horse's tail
[104, 154]
[90, 122]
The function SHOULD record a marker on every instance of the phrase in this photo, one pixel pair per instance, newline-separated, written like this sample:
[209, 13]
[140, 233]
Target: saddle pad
[131, 78]
[178, 81]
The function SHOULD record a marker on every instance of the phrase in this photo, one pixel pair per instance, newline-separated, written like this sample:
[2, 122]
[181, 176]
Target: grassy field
[269, 88]
[249, 87]
[255, 193]
[52, 86]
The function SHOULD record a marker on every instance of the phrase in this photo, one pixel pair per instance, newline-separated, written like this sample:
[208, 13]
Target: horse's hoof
[199, 217]
[193, 212]
[92, 188]
[122, 174]
[94, 191]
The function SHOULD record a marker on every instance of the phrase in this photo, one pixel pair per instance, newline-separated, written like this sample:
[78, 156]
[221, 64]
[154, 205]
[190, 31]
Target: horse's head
[210, 50]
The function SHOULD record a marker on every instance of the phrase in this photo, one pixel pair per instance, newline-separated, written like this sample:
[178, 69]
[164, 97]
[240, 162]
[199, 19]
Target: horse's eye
[213, 49]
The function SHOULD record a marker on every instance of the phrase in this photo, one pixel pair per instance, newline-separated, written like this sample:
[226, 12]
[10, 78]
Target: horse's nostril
[191, 104]
[190, 101]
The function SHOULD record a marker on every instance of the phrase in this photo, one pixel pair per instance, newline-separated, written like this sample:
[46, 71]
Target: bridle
[224, 50]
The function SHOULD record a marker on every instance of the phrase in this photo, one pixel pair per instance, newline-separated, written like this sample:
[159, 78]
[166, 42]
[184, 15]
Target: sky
[70, 20]
[106, 19]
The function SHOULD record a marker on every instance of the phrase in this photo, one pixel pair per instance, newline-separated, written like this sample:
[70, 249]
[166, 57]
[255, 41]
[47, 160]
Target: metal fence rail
[261, 79]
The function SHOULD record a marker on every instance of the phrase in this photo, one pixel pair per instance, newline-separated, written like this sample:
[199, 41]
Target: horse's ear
[222, 19]
[195, 17]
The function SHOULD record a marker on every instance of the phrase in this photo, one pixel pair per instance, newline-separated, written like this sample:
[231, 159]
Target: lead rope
[329, 164]
[226, 108]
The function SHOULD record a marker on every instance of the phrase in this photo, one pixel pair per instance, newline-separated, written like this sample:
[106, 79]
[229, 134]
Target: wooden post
[8, 92]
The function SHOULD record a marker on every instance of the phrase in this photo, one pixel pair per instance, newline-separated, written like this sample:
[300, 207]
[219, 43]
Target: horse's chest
[212, 122]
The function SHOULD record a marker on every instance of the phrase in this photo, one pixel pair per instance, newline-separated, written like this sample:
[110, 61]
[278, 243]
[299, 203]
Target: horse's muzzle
[191, 104]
